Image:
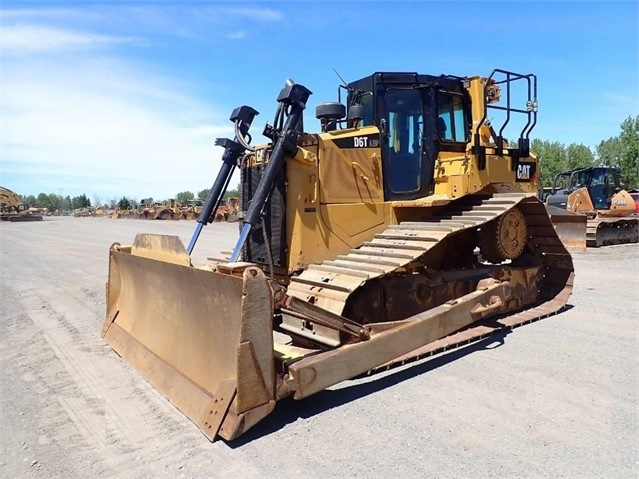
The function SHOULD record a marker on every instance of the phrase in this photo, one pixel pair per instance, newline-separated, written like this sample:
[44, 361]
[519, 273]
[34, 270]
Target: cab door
[408, 142]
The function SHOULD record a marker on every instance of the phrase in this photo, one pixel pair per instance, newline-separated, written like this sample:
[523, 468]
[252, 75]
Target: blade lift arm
[242, 117]
[292, 98]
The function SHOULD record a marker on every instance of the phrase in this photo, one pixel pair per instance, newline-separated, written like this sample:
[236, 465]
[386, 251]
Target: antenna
[340, 77]
[344, 85]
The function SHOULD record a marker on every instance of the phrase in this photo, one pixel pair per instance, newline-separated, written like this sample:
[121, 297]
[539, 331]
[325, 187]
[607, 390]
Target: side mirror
[356, 112]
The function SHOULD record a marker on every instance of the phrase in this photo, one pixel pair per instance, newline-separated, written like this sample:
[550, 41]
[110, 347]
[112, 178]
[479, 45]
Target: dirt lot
[557, 398]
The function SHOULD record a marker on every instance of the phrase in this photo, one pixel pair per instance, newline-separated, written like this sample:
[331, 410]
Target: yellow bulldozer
[13, 209]
[596, 193]
[406, 226]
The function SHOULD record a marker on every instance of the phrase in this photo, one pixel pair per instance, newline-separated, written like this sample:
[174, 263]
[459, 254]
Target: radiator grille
[274, 218]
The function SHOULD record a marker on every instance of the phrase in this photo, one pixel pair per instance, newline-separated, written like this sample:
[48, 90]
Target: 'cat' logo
[523, 172]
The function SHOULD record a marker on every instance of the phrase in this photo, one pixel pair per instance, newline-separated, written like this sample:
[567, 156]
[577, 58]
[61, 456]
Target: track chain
[329, 284]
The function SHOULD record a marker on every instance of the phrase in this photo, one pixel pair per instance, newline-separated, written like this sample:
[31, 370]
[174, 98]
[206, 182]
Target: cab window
[450, 118]
[366, 100]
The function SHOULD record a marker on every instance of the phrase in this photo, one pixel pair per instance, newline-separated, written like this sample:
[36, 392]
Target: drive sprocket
[505, 237]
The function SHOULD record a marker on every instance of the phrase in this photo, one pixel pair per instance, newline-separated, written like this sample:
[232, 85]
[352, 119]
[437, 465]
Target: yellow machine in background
[12, 208]
[597, 194]
[408, 225]
[170, 210]
[192, 209]
[228, 209]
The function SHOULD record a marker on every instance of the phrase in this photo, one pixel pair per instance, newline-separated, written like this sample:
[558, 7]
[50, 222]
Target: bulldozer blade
[571, 228]
[202, 338]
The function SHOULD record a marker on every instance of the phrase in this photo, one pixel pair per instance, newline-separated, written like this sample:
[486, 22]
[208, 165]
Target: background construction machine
[192, 209]
[228, 209]
[12, 208]
[408, 225]
[597, 193]
[168, 210]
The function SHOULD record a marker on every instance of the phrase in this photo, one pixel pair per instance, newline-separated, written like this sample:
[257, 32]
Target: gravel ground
[557, 398]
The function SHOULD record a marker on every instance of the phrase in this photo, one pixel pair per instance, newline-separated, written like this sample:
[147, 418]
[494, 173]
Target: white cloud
[48, 14]
[26, 39]
[103, 127]
[75, 115]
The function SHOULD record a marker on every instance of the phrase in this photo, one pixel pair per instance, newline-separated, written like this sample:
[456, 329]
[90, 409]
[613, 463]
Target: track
[16, 218]
[611, 231]
[330, 284]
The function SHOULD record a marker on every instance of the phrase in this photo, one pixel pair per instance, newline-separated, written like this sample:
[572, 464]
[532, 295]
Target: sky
[126, 98]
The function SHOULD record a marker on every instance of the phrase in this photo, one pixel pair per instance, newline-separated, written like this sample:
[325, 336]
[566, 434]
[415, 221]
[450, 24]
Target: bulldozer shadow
[289, 410]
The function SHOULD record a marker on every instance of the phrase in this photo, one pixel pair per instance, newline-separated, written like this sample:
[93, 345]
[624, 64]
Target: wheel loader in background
[597, 194]
[170, 210]
[192, 209]
[228, 209]
[407, 226]
[12, 208]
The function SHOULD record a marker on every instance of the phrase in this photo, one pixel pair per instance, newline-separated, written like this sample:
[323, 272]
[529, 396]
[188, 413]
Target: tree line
[55, 202]
[621, 151]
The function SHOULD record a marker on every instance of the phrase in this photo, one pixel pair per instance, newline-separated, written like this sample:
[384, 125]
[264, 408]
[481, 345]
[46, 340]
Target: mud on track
[557, 398]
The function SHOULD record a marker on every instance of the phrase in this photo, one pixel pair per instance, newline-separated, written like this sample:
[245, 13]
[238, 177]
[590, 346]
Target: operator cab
[602, 184]
[417, 116]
